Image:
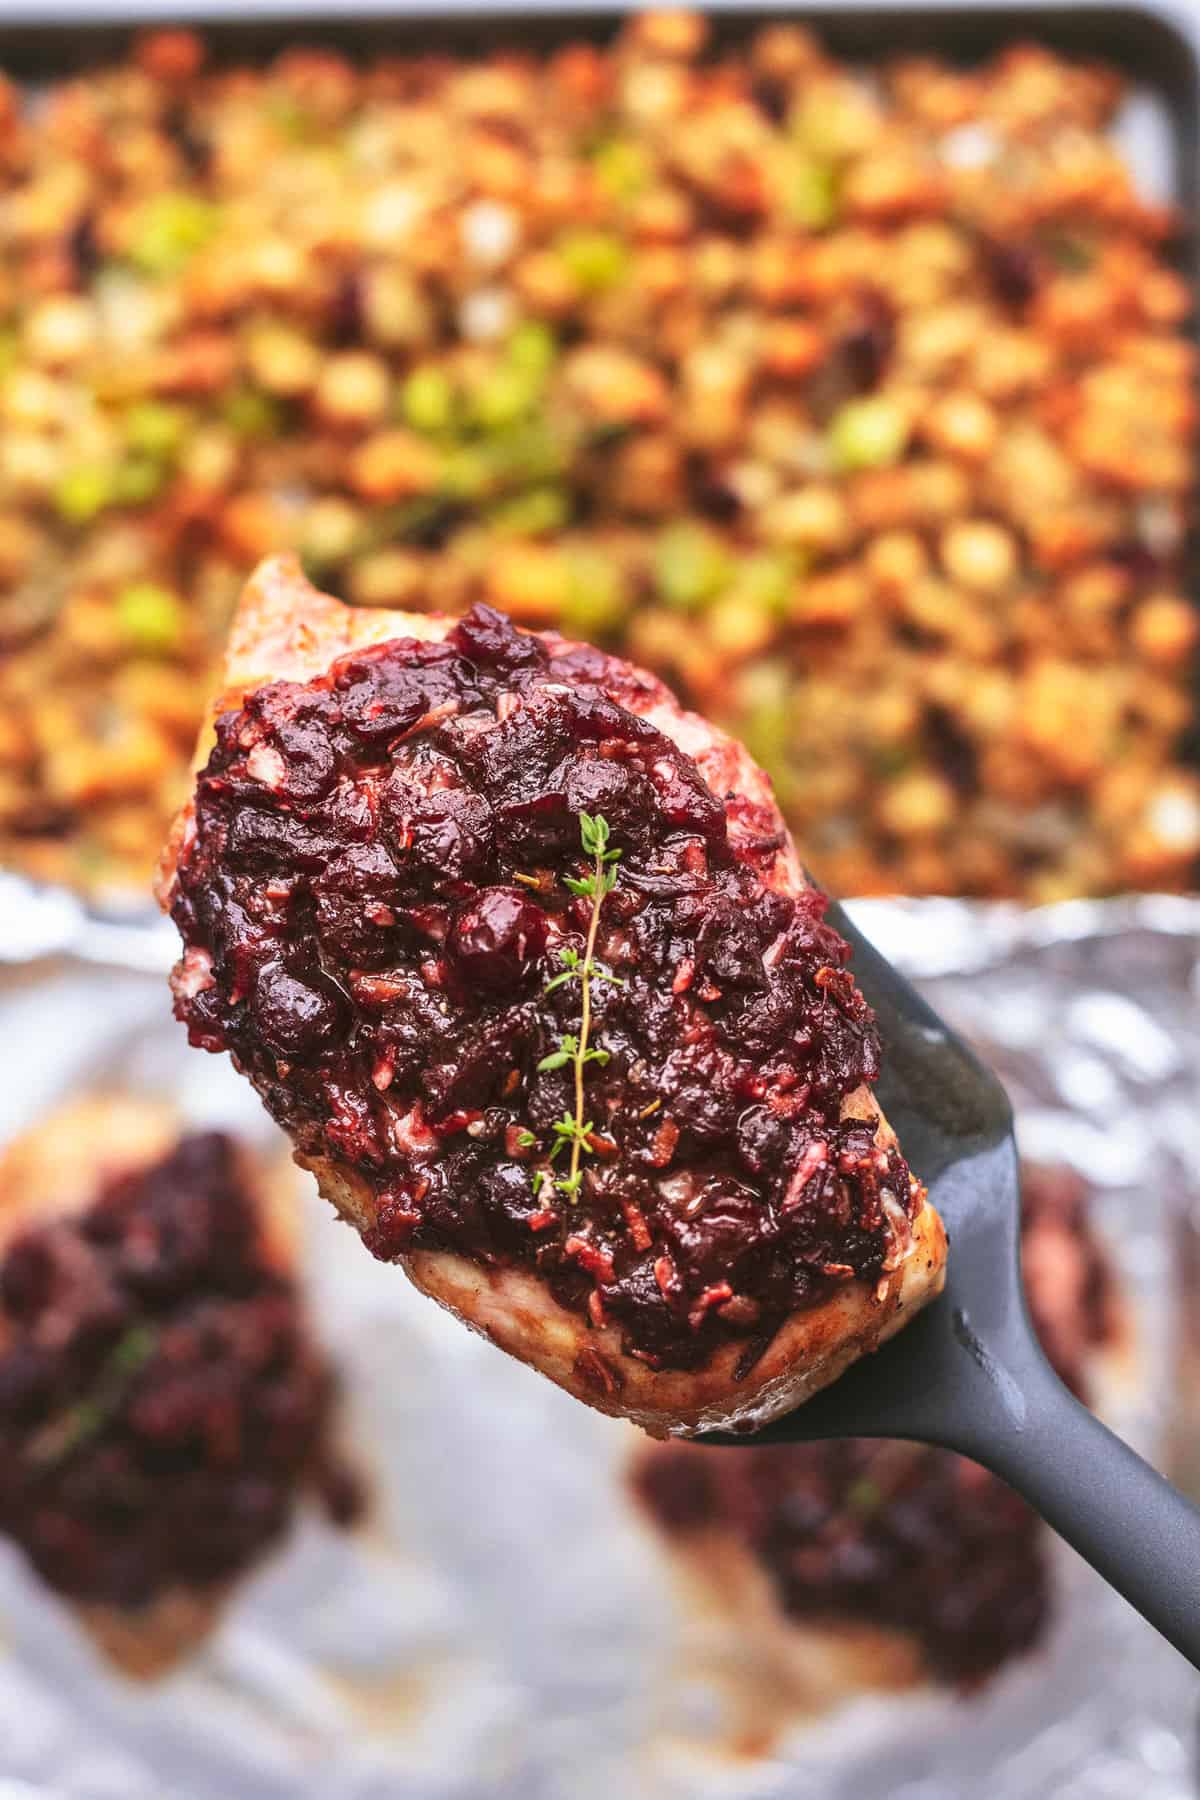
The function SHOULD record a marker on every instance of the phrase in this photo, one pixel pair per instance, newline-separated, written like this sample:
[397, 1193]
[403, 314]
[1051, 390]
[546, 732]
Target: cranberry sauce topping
[374, 900]
[886, 1534]
[160, 1401]
[904, 1536]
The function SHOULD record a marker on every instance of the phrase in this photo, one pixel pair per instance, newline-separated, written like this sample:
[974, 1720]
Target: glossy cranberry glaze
[892, 1535]
[372, 902]
[160, 1401]
[902, 1535]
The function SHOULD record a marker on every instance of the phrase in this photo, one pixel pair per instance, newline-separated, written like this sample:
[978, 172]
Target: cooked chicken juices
[521, 957]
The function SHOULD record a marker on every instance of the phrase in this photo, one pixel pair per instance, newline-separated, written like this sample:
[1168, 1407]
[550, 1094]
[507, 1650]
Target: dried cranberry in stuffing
[1012, 269]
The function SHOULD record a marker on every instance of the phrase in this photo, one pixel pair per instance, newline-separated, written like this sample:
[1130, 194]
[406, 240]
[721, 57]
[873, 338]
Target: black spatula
[968, 1373]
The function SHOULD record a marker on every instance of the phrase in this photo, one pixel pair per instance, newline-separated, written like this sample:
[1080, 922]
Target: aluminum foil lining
[505, 1625]
[923, 937]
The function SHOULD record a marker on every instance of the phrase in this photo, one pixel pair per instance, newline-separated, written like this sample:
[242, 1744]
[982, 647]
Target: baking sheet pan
[504, 1625]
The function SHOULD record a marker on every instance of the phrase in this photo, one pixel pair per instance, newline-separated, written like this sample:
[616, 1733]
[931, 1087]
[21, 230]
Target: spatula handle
[1135, 1528]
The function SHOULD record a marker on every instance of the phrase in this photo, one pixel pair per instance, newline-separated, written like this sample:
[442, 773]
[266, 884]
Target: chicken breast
[521, 955]
[811, 1572]
[133, 1260]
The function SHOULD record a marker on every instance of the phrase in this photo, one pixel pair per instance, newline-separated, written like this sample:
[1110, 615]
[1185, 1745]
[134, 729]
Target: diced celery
[169, 228]
[504, 396]
[150, 617]
[767, 577]
[868, 434]
[527, 455]
[690, 565]
[811, 197]
[766, 731]
[508, 461]
[622, 168]
[597, 601]
[532, 347]
[832, 122]
[890, 760]
[466, 474]
[83, 492]
[137, 479]
[427, 400]
[530, 515]
[152, 428]
[595, 259]
[250, 413]
[292, 120]
[1071, 252]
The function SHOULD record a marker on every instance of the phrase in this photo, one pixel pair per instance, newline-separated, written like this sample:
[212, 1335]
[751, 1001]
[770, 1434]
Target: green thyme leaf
[569, 958]
[603, 975]
[135, 1348]
[864, 1496]
[88, 1417]
[594, 836]
[593, 833]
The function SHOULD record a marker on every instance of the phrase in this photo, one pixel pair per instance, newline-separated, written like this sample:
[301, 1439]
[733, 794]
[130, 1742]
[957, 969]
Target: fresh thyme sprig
[574, 1048]
[88, 1417]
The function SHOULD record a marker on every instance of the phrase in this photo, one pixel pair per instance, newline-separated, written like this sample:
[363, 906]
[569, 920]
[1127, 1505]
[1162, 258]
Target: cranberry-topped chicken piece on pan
[863, 1563]
[522, 957]
[162, 1403]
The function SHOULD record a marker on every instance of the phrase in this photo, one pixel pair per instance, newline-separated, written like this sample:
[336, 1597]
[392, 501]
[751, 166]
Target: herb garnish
[88, 1417]
[574, 1047]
